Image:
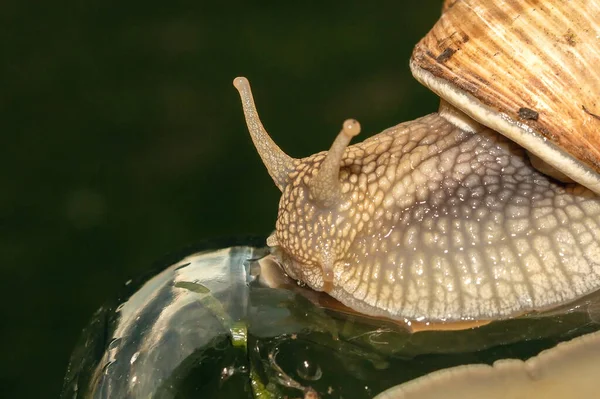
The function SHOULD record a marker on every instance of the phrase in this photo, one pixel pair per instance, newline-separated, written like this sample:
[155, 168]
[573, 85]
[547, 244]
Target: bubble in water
[113, 349]
[114, 343]
[594, 312]
[227, 372]
[309, 370]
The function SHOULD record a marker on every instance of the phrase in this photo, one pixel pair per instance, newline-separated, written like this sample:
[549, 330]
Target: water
[206, 326]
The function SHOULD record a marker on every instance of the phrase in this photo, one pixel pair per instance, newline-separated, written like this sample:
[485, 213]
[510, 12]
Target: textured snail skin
[431, 222]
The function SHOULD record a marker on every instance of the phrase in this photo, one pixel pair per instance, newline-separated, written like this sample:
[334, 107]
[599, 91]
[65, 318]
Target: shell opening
[504, 65]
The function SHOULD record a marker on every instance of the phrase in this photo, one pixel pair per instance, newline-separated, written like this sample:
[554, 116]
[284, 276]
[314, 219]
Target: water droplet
[112, 350]
[114, 344]
[309, 371]
[106, 366]
[134, 357]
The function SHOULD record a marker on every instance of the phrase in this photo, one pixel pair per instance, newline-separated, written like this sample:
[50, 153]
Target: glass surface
[227, 324]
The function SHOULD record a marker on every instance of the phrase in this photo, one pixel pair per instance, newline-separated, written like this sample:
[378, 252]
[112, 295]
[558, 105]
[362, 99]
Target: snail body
[443, 219]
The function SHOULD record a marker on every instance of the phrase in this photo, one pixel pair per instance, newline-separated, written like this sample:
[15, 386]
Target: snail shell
[442, 218]
[527, 69]
[569, 370]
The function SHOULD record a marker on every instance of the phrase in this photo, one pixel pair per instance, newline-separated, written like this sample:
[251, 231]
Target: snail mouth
[302, 273]
[285, 262]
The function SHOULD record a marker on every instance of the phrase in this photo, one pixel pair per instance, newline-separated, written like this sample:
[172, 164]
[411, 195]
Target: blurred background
[122, 139]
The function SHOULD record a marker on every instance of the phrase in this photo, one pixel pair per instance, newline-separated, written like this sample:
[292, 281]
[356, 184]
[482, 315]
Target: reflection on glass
[227, 323]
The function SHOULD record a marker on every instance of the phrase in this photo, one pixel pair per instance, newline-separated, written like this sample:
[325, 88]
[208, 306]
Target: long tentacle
[278, 163]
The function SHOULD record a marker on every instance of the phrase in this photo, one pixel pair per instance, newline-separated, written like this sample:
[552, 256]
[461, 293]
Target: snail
[487, 209]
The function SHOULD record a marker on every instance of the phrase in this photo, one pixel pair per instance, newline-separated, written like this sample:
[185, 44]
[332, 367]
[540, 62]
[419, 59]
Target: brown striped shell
[527, 69]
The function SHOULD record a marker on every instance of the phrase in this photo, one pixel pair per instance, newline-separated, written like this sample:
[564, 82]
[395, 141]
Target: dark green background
[122, 139]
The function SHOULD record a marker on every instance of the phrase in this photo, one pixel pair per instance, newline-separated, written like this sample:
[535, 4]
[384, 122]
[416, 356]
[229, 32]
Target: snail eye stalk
[325, 186]
[278, 163]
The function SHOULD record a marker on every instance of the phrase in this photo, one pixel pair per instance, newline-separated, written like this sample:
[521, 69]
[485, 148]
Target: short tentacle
[278, 163]
[325, 186]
